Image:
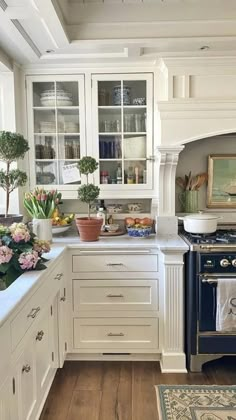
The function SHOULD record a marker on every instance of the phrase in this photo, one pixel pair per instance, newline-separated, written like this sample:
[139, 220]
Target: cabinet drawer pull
[33, 312]
[58, 276]
[114, 264]
[26, 369]
[63, 298]
[40, 335]
[115, 296]
[115, 334]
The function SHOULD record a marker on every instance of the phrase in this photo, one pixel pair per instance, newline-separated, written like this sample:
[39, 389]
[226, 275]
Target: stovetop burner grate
[218, 237]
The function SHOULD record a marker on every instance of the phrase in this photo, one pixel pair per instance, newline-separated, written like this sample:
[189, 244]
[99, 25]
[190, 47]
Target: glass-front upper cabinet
[123, 135]
[56, 124]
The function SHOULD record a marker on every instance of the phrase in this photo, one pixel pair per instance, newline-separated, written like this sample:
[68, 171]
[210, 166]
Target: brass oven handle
[115, 335]
[115, 296]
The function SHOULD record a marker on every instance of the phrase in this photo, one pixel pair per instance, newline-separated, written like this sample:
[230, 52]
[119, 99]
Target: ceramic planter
[89, 229]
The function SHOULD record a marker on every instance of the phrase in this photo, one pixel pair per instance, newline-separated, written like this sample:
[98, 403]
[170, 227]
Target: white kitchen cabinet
[44, 349]
[56, 130]
[5, 412]
[25, 387]
[115, 301]
[122, 107]
[120, 122]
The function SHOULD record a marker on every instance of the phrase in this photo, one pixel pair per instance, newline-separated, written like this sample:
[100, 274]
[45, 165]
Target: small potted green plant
[89, 227]
[13, 146]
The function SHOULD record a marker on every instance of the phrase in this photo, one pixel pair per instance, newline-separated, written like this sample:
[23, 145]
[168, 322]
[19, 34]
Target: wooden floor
[121, 390]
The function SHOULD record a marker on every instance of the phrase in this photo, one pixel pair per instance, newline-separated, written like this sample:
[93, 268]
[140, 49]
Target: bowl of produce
[139, 231]
[60, 222]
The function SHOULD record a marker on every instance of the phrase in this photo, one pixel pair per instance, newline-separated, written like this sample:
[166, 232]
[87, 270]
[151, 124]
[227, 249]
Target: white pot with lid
[200, 222]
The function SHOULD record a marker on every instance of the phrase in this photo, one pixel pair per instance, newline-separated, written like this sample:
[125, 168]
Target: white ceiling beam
[52, 23]
[14, 12]
[22, 41]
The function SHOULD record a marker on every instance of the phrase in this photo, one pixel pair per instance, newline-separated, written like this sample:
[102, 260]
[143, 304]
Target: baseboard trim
[115, 357]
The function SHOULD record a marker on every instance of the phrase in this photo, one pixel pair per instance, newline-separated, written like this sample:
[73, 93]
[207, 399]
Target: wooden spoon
[180, 182]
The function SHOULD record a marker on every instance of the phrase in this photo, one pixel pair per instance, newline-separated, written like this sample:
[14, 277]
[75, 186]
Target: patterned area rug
[197, 402]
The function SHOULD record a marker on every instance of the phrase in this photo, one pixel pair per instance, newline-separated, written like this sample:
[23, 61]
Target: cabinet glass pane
[68, 146]
[134, 147]
[110, 147]
[61, 179]
[67, 94]
[46, 173]
[44, 121]
[109, 93]
[110, 172]
[43, 94]
[134, 92]
[109, 120]
[45, 147]
[135, 172]
[135, 120]
[68, 121]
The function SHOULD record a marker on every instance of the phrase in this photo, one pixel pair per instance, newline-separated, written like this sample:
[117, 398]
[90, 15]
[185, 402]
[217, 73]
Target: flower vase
[42, 228]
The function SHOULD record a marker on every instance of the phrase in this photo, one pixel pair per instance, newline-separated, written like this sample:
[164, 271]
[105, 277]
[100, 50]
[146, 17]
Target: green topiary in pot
[13, 146]
[89, 227]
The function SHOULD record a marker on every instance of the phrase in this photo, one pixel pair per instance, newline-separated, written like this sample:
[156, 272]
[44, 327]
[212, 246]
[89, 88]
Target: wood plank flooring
[121, 390]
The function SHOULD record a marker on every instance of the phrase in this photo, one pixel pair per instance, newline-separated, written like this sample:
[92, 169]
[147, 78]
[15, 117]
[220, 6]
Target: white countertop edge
[27, 283]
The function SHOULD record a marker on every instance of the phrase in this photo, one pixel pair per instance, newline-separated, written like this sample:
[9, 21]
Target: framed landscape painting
[221, 190]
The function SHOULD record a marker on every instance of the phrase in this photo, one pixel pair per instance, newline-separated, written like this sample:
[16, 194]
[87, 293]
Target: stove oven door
[209, 340]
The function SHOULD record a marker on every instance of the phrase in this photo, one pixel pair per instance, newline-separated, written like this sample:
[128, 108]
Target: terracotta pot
[89, 229]
[11, 218]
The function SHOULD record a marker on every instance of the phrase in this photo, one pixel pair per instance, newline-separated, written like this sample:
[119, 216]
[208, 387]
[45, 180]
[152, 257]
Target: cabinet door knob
[33, 312]
[26, 369]
[63, 299]
[58, 276]
[40, 335]
[115, 334]
[115, 296]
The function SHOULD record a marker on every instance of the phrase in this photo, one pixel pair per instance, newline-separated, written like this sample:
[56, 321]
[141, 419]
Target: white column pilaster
[172, 311]
[167, 161]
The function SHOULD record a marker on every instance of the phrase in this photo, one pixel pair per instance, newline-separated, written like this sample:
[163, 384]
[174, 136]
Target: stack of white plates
[47, 127]
[59, 97]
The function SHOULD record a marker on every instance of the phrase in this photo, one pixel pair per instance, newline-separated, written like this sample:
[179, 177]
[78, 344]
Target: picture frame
[221, 189]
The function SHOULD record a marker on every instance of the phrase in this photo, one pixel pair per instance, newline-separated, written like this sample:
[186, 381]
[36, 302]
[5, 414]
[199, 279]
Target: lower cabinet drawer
[121, 295]
[116, 333]
[113, 263]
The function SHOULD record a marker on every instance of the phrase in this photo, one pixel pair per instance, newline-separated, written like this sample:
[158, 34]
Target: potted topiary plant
[89, 227]
[13, 146]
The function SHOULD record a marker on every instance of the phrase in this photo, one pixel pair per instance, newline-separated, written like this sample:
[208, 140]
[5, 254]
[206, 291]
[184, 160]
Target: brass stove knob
[224, 263]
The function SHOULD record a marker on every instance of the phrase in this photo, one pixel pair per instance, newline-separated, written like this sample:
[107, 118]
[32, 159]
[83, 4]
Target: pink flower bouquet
[20, 251]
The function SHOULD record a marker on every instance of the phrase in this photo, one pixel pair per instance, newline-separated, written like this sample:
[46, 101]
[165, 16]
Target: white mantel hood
[196, 99]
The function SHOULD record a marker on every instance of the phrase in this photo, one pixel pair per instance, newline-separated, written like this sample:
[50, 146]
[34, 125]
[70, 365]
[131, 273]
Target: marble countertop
[27, 282]
[171, 242]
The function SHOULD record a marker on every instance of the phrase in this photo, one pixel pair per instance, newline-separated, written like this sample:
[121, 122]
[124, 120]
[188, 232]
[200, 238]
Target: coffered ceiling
[37, 32]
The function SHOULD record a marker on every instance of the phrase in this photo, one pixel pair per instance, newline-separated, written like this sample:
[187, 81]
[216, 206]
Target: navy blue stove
[210, 257]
